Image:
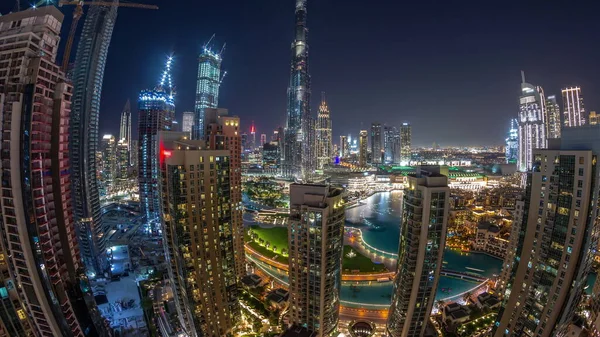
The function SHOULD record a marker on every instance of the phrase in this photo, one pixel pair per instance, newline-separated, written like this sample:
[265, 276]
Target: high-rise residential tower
[405, 143]
[553, 124]
[40, 255]
[512, 143]
[422, 241]
[207, 87]
[125, 129]
[344, 147]
[557, 237]
[187, 122]
[315, 241]
[296, 141]
[156, 108]
[122, 153]
[377, 150]
[263, 139]
[593, 118]
[324, 135]
[88, 76]
[532, 123]
[573, 108]
[223, 133]
[198, 232]
[362, 148]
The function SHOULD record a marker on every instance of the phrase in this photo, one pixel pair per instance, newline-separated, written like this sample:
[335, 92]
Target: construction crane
[78, 12]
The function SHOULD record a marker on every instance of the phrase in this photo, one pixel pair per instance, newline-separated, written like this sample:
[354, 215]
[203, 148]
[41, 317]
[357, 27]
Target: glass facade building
[296, 153]
[377, 149]
[88, 76]
[573, 108]
[405, 143]
[324, 136]
[512, 143]
[553, 124]
[207, 88]
[532, 124]
[156, 108]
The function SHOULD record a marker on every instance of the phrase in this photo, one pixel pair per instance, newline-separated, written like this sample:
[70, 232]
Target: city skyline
[395, 95]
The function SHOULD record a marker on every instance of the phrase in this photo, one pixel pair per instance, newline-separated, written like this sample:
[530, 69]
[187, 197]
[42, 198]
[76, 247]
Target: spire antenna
[522, 76]
[323, 100]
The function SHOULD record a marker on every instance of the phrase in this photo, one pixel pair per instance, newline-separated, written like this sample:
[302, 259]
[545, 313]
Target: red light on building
[167, 154]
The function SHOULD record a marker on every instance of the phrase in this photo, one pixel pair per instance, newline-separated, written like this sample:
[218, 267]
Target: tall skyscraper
[377, 151]
[222, 133]
[108, 147]
[40, 255]
[88, 76]
[134, 154]
[253, 136]
[512, 143]
[324, 135]
[156, 107]
[405, 143]
[125, 129]
[573, 108]
[207, 87]
[187, 122]
[422, 241]
[532, 124]
[296, 140]
[315, 246]
[392, 145]
[198, 232]
[362, 148]
[553, 124]
[557, 237]
[123, 163]
[344, 147]
[263, 139]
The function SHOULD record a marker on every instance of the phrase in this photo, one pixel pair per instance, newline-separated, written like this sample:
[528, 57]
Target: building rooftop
[458, 314]
[297, 331]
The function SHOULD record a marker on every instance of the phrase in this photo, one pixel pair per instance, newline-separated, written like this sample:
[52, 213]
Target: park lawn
[360, 262]
[266, 252]
[277, 236]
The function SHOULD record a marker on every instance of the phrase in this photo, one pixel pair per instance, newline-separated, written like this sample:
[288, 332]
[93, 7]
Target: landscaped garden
[265, 191]
[273, 243]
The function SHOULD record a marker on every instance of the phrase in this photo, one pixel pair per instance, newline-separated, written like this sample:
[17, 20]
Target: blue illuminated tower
[512, 142]
[156, 110]
[296, 157]
[207, 86]
[88, 76]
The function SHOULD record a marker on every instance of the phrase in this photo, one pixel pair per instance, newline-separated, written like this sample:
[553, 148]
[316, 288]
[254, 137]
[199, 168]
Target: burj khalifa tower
[299, 132]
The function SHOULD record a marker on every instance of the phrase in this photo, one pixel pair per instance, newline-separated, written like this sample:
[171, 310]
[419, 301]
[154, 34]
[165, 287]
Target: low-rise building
[490, 240]
[455, 313]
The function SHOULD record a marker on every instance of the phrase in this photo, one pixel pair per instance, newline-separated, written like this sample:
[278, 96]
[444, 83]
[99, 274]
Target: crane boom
[78, 12]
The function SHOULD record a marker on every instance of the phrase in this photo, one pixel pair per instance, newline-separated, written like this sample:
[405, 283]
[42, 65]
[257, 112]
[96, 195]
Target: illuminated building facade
[39, 253]
[187, 122]
[207, 87]
[593, 118]
[376, 143]
[263, 139]
[420, 255]
[223, 133]
[315, 241]
[405, 143]
[199, 233]
[512, 143]
[296, 141]
[362, 148]
[156, 108]
[344, 148]
[88, 76]
[553, 124]
[532, 124]
[108, 148]
[557, 238]
[125, 129]
[324, 135]
[392, 145]
[573, 108]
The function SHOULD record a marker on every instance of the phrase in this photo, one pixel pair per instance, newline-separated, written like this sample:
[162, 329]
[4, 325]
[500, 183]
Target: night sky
[450, 68]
